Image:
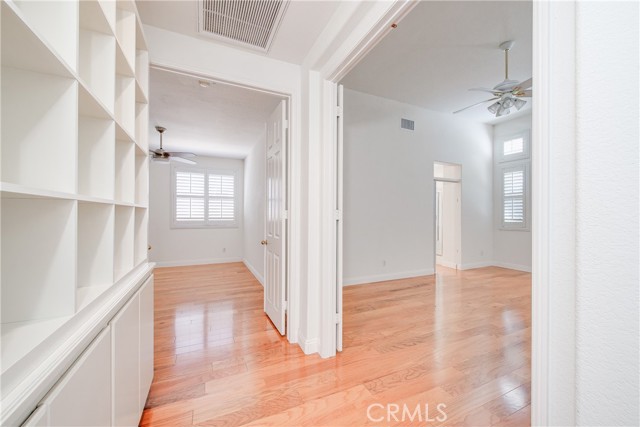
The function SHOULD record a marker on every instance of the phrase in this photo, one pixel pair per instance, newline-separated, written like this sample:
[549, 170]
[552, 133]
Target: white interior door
[275, 228]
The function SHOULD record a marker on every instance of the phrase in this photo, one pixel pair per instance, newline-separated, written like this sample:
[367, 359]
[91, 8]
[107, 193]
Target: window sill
[204, 226]
[527, 229]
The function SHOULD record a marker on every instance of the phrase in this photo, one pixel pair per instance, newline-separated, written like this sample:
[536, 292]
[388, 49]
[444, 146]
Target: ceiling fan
[160, 155]
[506, 94]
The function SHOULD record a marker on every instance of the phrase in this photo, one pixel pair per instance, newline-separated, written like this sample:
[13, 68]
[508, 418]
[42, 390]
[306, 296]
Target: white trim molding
[308, 345]
[187, 262]
[553, 341]
[253, 271]
[480, 264]
[352, 281]
[519, 267]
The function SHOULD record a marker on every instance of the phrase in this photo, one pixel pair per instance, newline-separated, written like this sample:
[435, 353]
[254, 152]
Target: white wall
[388, 187]
[511, 248]
[192, 245]
[254, 208]
[607, 212]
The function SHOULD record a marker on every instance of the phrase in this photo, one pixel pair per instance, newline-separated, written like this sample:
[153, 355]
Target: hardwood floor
[461, 339]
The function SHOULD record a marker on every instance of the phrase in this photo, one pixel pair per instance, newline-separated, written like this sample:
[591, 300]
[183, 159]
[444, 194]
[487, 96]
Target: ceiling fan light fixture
[507, 103]
[519, 103]
[493, 107]
[502, 111]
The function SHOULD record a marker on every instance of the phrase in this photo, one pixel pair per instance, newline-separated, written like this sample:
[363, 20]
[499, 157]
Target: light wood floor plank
[462, 339]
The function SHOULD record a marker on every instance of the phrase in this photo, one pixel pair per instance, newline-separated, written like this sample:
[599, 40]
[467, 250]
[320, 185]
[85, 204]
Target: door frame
[292, 252]
[553, 282]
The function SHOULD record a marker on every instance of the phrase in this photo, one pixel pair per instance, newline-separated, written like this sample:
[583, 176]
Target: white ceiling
[220, 120]
[442, 48]
[301, 25]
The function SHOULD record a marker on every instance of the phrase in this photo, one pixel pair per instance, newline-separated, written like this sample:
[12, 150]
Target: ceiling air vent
[407, 124]
[248, 23]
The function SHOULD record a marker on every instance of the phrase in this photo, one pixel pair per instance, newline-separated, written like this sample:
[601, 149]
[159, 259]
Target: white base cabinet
[109, 383]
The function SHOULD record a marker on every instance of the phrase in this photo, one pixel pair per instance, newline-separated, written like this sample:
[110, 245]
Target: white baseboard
[472, 265]
[384, 277]
[253, 271]
[447, 264]
[525, 268]
[187, 262]
[308, 346]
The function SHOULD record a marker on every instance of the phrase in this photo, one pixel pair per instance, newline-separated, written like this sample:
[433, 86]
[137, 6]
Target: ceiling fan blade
[477, 103]
[525, 84]
[182, 160]
[525, 94]
[181, 154]
[484, 89]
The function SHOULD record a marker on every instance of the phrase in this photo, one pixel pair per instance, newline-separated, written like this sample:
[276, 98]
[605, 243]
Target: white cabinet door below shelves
[125, 333]
[83, 396]
[146, 340]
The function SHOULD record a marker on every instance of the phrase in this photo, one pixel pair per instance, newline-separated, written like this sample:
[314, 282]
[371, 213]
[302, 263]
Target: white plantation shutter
[204, 198]
[189, 196]
[513, 197]
[222, 197]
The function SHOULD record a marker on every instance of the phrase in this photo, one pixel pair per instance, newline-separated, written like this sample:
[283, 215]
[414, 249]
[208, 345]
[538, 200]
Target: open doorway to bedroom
[447, 178]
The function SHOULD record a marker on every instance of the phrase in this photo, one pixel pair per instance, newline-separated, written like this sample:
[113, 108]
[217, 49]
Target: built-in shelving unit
[74, 177]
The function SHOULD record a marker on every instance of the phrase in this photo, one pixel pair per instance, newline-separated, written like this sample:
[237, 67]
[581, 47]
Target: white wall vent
[247, 23]
[407, 124]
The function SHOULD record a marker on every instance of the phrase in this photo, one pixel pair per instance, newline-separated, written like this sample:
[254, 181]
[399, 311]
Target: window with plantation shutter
[204, 198]
[514, 196]
[513, 147]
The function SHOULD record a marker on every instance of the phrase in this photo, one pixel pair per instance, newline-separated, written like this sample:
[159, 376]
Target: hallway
[461, 339]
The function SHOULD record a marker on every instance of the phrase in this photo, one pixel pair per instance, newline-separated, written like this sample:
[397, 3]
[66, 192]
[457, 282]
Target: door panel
[83, 396]
[275, 242]
[125, 336]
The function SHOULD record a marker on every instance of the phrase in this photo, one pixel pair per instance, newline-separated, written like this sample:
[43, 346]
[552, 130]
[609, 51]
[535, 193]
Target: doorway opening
[229, 204]
[447, 216]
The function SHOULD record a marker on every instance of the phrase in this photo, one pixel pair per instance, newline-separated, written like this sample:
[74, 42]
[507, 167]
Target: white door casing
[276, 217]
[439, 218]
[339, 209]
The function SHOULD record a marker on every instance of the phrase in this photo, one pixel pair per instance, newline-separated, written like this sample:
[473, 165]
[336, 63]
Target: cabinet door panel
[146, 340]
[83, 396]
[125, 334]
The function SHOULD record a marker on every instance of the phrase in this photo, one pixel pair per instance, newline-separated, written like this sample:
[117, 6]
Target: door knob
[264, 242]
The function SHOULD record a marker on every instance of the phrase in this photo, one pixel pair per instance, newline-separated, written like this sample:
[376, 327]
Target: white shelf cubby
[123, 241]
[140, 235]
[39, 130]
[98, 15]
[125, 186]
[97, 65]
[95, 245]
[125, 109]
[142, 177]
[38, 258]
[142, 76]
[126, 41]
[142, 126]
[56, 23]
[96, 157]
